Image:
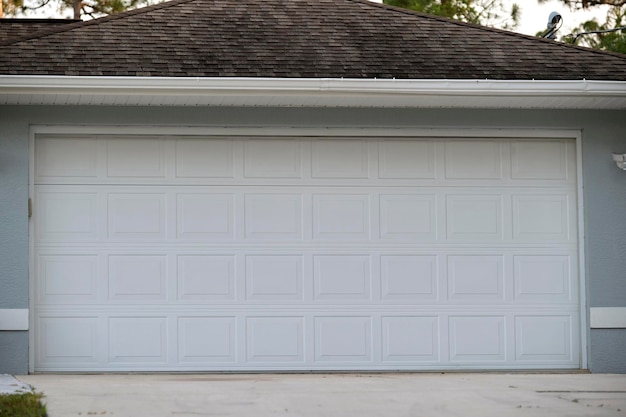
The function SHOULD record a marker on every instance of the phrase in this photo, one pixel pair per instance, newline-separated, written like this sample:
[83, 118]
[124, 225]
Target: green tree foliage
[79, 8]
[599, 35]
[482, 12]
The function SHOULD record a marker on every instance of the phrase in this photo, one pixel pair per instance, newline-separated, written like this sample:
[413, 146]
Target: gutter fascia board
[16, 84]
[312, 92]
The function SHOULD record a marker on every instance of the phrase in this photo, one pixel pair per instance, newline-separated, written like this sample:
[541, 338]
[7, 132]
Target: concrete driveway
[334, 395]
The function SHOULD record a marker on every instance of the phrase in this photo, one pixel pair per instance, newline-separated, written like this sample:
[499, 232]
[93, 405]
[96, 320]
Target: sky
[535, 16]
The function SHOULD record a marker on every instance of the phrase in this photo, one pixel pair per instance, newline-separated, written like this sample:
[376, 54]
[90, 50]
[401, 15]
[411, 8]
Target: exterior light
[620, 160]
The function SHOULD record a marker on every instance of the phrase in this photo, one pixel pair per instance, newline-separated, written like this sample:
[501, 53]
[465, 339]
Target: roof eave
[311, 92]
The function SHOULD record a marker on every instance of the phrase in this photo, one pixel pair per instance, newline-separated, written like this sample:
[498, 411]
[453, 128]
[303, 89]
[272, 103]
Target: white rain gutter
[325, 92]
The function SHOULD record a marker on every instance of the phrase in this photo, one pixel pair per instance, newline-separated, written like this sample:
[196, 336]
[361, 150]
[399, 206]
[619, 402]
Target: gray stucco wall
[604, 132]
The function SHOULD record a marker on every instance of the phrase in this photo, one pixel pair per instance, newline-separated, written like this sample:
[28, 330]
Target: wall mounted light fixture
[620, 160]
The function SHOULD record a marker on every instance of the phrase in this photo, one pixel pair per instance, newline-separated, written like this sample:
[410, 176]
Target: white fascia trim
[27, 84]
[384, 86]
[13, 319]
[607, 317]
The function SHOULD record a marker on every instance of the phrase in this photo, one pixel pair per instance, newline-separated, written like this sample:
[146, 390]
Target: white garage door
[204, 253]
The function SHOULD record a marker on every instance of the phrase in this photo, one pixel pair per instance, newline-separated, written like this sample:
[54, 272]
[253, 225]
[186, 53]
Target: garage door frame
[291, 131]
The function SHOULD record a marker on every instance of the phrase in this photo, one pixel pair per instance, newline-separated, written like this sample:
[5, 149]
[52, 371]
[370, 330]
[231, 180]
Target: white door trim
[347, 132]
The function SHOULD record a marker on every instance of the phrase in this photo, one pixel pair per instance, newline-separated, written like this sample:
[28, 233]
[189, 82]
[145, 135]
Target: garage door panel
[303, 254]
[65, 157]
[474, 217]
[338, 159]
[545, 279]
[409, 278]
[478, 160]
[205, 216]
[202, 278]
[545, 160]
[476, 279]
[406, 159]
[342, 277]
[138, 278]
[477, 338]
[67, 279]
[138, 340]
[408, 217]
[543, 338]
[207, 340]
[137, 215]
[275, 339]
[69, 340]
[343, 339]
[273, 159]
[410, 339]
[136, 157]
[273, 216]
[542, 217]
[67, 216]
[274, 278]
[204, 159]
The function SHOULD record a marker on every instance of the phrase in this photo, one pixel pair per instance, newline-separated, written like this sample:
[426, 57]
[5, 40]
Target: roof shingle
[297, 39]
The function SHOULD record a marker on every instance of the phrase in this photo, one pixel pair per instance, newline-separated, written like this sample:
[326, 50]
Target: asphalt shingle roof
[12, 29]
[297, 38]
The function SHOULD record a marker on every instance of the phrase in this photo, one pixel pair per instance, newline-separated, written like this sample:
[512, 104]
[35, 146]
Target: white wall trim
[608, 317]
[14, 319]
[344, 132]
[585, 336]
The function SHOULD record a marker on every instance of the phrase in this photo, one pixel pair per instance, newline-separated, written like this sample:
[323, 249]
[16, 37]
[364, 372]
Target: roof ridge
[104, 19]
[486, 28]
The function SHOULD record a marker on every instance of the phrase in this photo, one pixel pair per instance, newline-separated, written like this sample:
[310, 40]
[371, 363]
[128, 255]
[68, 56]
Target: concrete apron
[10, 385]
[334, 395]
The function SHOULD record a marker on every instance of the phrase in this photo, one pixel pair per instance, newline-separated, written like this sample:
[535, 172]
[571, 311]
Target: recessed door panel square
[539, 160]
[272, 158]
[474, 217]
[136, 277]
[342, 277]
[67, 216]
[136, 216]
[273, 216]
[205, 216]
[206, 277]
[274, 277]
[341, 217]
[204, 158]
[477, 338]
[275, 339]
[340, 159]
[136, 157]
[545, 278]
[540, 217]
[547, 338]
[343, 339]
[406, 159]
[408, 277]
[67, 340]
[64, 157]
[206, 339]
[410, 338]
[408, 217]
[475, 278]
[137, 340]
[67, 278]
[472, 159]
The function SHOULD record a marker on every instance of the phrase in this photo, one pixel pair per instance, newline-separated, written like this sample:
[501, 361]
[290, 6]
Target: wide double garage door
[190, 253]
